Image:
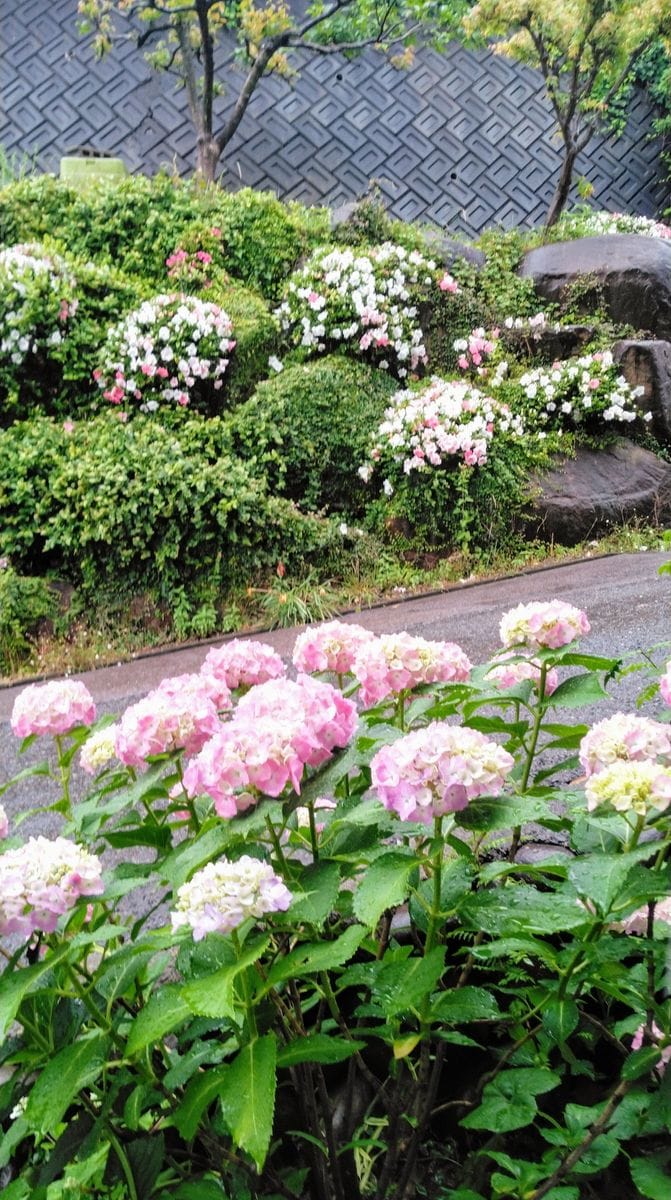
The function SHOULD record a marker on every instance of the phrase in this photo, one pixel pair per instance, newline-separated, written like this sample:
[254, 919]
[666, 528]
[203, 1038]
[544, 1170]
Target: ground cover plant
[345, 977]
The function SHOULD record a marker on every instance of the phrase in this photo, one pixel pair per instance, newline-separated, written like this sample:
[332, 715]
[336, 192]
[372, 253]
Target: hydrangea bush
[365, 302]
[171, 351]
[347, 977]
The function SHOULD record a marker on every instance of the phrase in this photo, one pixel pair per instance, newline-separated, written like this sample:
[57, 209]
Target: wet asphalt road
[627, 602]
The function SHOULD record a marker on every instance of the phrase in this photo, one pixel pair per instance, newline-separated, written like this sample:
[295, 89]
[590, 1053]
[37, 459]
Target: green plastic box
[83, 173]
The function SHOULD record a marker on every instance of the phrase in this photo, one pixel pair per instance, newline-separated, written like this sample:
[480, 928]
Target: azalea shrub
[172, 350]
[38, 301]
[427, 455]
[588, 222]
[367, 303]
[396, 925]
[586, 393]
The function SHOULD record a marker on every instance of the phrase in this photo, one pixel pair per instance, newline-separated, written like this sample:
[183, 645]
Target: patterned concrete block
[461, 139]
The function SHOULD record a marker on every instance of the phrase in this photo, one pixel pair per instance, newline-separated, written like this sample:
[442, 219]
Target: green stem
[400, 710]
[531, 754]
[437, 872]
[246, 993]
[123, 1163]
[636, 833]
[276, 844]
[313, 832]
[64, 772]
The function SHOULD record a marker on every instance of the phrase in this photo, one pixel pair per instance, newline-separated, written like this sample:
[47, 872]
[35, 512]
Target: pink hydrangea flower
[325, 718]
[543, 624]
[43, 879]
[396, 662]
[509, 670]
[180, 714]
[242, 663]
[437, 770]
[52, 708]
[665, 685]
[224, 894]
[330, 647]
[623, 737]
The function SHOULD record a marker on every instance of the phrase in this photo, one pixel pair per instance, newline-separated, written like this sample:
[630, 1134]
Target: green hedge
[134, 225]
[309, 427]
[117, 508]
[257, 337]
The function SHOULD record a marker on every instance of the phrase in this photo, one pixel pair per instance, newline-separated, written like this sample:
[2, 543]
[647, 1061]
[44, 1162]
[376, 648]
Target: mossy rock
[309, 430]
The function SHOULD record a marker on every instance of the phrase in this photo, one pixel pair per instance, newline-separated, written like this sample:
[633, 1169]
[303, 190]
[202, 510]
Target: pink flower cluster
[664, 1051]
[394, 663]
[665, 685]
[510, 669]
[476, 349]
[278, 729]
[224, 894]
[447, 283]
[438, 770]
[180, 714]
[623, 737]
[543, 625]
[52, 708]
[242, 663]
[43, 879]
[332, 646]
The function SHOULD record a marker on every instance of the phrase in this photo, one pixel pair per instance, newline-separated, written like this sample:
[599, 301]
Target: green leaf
[195, 853]
[315, 956]
[464, 1005]
[319, 893]
[200, 1189]
[72, 1069]
[508, 1102]
[164, 1011]
[317, 1047]
[15, 983]
[578, 691]
[600, 878]
[248, 1097]
[520, 909]
[560, 1017]
[650, 1176]
[157, 836]
[384, 885]
[489, 814]
[641, 1062]
[214, 995]
[202, 1090]
[409, 987]
[145, 1155]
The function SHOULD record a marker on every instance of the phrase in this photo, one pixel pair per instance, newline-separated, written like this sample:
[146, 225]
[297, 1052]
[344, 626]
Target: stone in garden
[587, 495]
[447, 251]
[550, 343]
[626, 274]
[648, 365]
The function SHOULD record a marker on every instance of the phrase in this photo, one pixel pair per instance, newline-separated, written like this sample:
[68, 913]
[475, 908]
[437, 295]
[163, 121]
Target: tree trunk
[558, 202]
[207, 157]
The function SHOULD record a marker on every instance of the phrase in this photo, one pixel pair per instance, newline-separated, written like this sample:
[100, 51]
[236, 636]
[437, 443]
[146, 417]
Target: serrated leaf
[319, 893]
[15, 983]
[601, 878]
[201, 1091]
[72, 1069]
[651, 1176]
[520, 909]
[319, 1048]
[385, 885]
[214, 995]
[641, 1062]
[465, 1004]
[417, 980]
[578, 692]
[315, 956]
[560, 1017]
[164, 1011]
[248, 1097]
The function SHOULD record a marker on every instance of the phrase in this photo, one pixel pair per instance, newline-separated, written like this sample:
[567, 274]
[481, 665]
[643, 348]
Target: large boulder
[448, 250]
[648, 365]
[587, 495]
[626, 274]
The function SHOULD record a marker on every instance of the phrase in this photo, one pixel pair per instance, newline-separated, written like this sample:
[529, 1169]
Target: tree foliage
[184, 37]
[586, 51]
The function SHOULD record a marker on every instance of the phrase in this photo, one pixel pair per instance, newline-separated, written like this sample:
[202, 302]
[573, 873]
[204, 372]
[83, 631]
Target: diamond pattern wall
[462, 139]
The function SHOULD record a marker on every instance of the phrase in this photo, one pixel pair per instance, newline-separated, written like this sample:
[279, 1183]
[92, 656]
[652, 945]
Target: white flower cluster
[223, 894]
[164, 351]
[344, 297]
[36, 300]
[43, 879]
[530, 326]
[595, 224]
[567, 393]
[448, 420]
